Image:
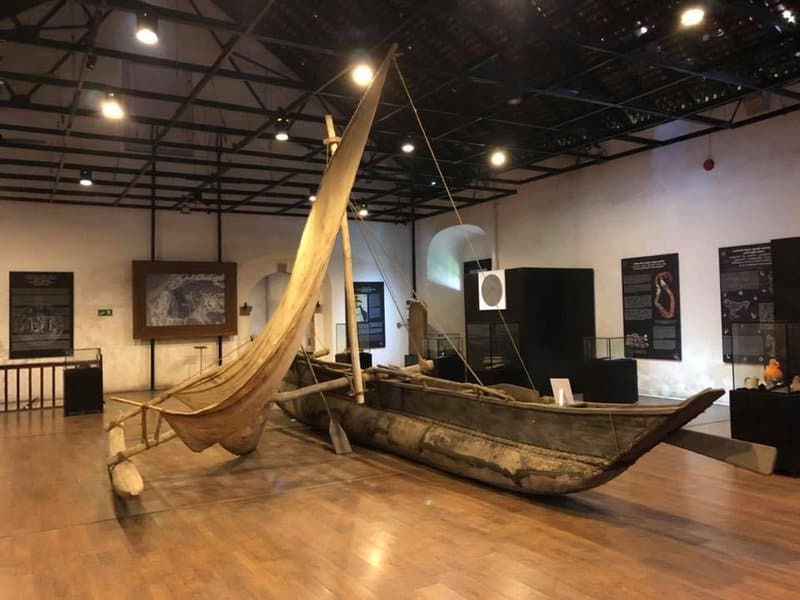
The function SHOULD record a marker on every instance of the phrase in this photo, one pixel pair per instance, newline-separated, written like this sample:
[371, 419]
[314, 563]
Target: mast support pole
[349, 290]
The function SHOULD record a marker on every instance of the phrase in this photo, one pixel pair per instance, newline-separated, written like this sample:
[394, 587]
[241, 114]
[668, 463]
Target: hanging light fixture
[408, 146]
[692, 16]
[282, 129]
[362, 74]
[147, 28]
[312, 195]
[498, 158]
[111, 108]
[363, 211]
[86, 176]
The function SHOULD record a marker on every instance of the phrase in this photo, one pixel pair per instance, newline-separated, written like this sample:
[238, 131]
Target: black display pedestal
[83, 390]
[770, 418]
[365, 358]
[611, 380]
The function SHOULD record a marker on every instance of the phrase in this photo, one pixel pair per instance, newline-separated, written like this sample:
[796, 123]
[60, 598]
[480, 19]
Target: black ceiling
[560, 84]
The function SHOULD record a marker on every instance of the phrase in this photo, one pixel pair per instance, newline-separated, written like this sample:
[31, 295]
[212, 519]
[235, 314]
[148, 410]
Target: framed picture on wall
[184, 299]
[40, 314]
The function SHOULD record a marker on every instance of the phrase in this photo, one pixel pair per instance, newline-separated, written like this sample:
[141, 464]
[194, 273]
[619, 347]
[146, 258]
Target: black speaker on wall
[786, 278]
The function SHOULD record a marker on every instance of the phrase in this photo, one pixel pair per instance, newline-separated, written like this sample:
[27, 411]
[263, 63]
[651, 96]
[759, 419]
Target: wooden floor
[295, 521]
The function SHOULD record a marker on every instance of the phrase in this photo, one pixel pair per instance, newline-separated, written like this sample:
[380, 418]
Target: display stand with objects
[609, 377]
[548, 313]
[83, 382]
[764, 404]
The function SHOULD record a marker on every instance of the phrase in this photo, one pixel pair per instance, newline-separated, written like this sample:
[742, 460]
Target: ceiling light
[111, 108]
[363, 211]
[185, 208]
[788, 15]
[433, 183]
[497, 158]
[282, 129]
[312, 195]
[642, 30]
[407, 147]
[91, 61]
[86, 176]
[362, 74]
[147, 28]
[692, 16]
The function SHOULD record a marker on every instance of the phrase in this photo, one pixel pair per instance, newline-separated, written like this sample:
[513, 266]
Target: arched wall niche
[262, 282]
[447, 251]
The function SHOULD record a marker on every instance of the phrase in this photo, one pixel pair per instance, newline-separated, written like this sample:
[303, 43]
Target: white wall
[656, 202]
[98, 245]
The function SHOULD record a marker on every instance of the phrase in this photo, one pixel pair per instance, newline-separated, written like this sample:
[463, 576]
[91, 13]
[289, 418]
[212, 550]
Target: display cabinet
[608, 376]
[765, 356]
[765, 399]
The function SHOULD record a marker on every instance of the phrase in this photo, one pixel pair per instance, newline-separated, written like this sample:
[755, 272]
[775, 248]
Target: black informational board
[370, 315]
[40, 314]
[746, 292]
[786, 273]
[651, 307]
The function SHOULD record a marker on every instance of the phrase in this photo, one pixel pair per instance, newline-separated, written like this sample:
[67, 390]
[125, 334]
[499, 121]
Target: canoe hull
[526, 447]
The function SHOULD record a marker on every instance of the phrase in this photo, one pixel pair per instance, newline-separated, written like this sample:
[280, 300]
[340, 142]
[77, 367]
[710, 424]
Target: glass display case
[83, 381]
[438, 345]
[766, 356]
[603, 347]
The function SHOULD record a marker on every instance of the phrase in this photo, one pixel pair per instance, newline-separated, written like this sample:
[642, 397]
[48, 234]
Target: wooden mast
[349, 289]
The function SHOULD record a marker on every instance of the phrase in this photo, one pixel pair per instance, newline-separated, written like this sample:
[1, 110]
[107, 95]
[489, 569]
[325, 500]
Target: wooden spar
[349, 289]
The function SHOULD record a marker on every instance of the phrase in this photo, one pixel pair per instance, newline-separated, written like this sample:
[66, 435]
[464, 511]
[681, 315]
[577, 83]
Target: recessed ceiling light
[147, 29]
[282, 129]
[111, 108]
[692, 16]
[497, 158]
[407, 147]
[86, 177]
[362, 74]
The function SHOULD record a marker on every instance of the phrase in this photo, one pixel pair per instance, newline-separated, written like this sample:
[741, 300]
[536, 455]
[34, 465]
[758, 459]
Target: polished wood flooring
[294, 520]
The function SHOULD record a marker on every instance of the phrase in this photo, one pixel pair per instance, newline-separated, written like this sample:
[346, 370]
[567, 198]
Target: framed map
[184, 299]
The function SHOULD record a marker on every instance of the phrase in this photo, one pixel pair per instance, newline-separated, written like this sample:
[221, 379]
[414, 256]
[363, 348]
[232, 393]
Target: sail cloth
[235, 397]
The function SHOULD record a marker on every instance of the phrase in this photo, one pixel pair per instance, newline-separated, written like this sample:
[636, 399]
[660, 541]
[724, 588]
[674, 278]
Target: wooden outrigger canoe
[506, 436]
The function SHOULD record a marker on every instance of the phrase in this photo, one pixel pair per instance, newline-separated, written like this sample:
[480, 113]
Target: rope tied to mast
[458, 214]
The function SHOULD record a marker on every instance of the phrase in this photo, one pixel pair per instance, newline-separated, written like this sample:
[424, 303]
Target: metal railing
[34, 385]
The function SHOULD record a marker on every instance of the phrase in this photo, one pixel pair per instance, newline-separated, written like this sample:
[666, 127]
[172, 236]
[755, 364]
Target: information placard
[746, 293]
[651, 307]
[41, 314]
[370, 315]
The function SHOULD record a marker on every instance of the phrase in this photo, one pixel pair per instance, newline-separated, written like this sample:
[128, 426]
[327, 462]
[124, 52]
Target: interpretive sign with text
[651, 307]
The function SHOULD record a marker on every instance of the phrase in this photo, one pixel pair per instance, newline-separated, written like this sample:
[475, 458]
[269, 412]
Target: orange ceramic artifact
[772, 372]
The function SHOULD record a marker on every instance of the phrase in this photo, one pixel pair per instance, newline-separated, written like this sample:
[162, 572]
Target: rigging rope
[368, 233]
[458, 214]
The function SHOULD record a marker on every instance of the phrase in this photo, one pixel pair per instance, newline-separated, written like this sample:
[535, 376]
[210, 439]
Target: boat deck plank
[295, 520]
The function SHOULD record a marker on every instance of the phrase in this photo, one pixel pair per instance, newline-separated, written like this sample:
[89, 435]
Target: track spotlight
[86, 177]
[497, 158]
[91, 61]
[362, 74]
[147, 28]
[282, 129]
[692, 16]
[363, 211]
[185, 208]
[407, 147]
[312, 195]
[111, 108]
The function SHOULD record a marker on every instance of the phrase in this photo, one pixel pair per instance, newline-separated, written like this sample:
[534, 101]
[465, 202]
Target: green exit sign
[105, 312]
